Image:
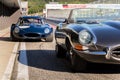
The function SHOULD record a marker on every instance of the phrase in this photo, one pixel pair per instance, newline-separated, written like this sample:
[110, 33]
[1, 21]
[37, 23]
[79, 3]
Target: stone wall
[8, 15]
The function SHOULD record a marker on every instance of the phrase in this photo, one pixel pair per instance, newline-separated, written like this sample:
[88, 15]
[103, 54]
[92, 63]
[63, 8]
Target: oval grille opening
[32, 35]
[116, 52]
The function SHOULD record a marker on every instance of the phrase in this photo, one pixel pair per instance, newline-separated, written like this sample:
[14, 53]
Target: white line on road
[23, 63]
[8, 72]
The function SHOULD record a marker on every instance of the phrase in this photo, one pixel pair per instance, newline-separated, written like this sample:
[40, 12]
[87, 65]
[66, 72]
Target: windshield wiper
[81, 21]
[92, 22]
[87, 21]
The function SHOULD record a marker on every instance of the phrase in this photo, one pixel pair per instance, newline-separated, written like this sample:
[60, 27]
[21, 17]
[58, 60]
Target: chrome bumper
[111, 51]
[97, 56]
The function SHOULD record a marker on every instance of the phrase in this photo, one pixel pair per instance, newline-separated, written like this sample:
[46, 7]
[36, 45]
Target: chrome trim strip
[95, 52]
[92, 52]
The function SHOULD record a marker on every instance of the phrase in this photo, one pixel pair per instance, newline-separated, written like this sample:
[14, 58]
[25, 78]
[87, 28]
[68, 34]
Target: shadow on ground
[5, 39]
[46, 59]
[9, 40]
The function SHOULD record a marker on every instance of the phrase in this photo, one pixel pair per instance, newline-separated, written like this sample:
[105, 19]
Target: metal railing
[106, 2]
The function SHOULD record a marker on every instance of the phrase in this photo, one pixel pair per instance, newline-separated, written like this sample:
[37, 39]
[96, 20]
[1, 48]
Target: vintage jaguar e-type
[31, 27]
[89, 35]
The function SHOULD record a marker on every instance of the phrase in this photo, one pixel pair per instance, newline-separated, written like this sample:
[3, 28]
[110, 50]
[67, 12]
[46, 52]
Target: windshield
[27, 21]
[82, 14]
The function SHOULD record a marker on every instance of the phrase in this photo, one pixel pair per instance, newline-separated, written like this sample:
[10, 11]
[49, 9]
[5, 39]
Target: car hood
[105, 35]
[34, 28]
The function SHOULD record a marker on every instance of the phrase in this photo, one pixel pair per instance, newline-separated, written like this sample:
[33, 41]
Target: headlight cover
[17, 30]
[85, 37]
[47, 30]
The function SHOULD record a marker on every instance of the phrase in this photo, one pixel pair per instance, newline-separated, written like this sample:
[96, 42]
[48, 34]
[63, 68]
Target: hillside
[38, 5]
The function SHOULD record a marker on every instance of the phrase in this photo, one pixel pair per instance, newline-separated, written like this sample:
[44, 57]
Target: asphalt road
[42, 64]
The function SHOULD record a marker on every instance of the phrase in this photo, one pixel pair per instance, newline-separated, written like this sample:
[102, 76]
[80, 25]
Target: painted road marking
[9, 69]
[23, 63]
[4, 34]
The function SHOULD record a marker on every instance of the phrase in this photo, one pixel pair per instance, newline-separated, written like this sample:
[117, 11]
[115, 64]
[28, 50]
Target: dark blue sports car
[31, 27]
[89, 35]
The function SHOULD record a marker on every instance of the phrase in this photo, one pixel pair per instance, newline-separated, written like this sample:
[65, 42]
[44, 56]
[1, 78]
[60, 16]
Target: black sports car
[89, 35]
[31, 27]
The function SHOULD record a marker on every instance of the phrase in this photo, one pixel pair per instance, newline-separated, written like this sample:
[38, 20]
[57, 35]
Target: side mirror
[62, 24]
[66, 21]
[59, 26]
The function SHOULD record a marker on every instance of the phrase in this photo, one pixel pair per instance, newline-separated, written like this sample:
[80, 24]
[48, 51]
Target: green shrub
[38, 5]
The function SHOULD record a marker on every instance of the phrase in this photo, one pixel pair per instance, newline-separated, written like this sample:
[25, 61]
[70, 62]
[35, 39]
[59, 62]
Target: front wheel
[11, 33]
[77, 63]
[49, 38]
[60, 52]
[12, 37]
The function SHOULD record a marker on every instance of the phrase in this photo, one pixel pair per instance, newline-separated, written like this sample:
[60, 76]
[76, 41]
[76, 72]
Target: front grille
[116, 52]
[42, 35]
[32, 35]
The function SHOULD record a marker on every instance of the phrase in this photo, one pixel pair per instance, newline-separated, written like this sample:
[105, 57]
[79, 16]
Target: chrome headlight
[47, 30]
[85, 37]
[17, 30]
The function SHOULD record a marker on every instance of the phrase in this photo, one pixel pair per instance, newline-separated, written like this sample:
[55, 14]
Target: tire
[77, 63]
[11, 33]
[49, 38]
[12, 37]
[60, 52]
